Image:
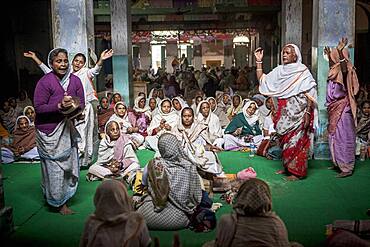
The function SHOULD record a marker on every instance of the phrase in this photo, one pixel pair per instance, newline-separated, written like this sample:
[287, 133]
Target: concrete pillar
[122, 46]
[265, 41]
[228, 53]
[71, 26]
[291, 22]
[332, 19]
[171, 53]
[145, 57]
[197, 54]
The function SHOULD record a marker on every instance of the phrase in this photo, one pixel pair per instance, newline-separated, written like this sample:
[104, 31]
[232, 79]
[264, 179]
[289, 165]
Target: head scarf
[212, 122]
[182, 103]
[113, 207]
[288, 80]
[136, 105]
[25, 110]
[103, 115]
[171, 118]
[253, 199]
[208, 99]
[237, 109]
[26, 102]
[124, 122]
[64, 82]
[24, 138]
[250, 119]
[336, 75]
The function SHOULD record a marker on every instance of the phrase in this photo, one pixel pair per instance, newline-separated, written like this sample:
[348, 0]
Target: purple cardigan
[48, 94]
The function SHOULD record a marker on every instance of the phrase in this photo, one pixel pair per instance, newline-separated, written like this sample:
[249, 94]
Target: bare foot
[280, 172]
[291, 178]
[64, 210]
[344, 174]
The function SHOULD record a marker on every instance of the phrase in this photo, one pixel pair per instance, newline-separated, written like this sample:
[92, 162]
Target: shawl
[239, 121]
[182, 186]
[64, 82]
[250, 119]
[363, 127]
[182, 103]
[336, 75]
[212, 122]
[235, 110]
[287, 80]
[26, 102]
[124, 122]
[137, 109]
[114, 222]
[104, 115]
[24, 138]
[9, 118]
[171, 118]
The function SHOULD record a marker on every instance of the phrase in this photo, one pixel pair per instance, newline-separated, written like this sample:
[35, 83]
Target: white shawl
[171, 118]
[123, 122]
[212, 122]
[250, 119]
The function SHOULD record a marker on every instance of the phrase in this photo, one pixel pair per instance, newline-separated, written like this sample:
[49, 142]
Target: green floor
[305, 206]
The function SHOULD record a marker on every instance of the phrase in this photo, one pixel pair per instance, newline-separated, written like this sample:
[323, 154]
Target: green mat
[305, 206]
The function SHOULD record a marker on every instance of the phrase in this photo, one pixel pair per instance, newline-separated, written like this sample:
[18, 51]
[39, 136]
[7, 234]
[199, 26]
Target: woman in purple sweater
[56, 134]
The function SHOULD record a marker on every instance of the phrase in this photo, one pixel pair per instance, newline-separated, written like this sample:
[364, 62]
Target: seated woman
[24, 143]
[209, 119]
[363, 126]
[196, 102]
[195, 141]
[224, 121]
[178, 104]
[29, 112]
[152, 103]
[127, 123]
[104, 114]
[116, 97]
[236, 107]
[8, 116]
[162, 122]
[116, 155]
[252, 221]
[244, 128]
[114, 222]
[173, 185]
[141, 115]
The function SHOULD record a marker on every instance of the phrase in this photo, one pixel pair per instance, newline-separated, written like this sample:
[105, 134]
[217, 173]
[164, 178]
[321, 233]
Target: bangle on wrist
[259, 69]
[309, 113]
[342, 60]
[259, 62]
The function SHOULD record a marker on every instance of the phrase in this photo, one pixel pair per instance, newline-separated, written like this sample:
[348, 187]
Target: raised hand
[106, 54]
[258, 54]
[342, 43]
[29, 54]
[327, 50]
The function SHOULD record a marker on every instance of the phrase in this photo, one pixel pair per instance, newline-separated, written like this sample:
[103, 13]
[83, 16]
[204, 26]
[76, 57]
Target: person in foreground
[56, 93]
[114, 222]
[252, 221]
[296, 115]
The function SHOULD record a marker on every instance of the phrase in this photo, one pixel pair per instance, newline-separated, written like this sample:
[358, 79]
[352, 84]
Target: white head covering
[136, 105]
[212, 122]
[64, 82]
[171, 118]
[287, 80]
[250, 119]
[182, 103]
[22, 116]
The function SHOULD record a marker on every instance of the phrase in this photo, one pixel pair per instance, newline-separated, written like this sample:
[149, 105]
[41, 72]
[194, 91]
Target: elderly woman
[295, 88]
[342, 109]
[173, 185]
[56, 94]
[116, 155]
[195, 140]
[244, 128]
[127, 123]
[211, 120]
[252, 221]
[114, 222]
[24, 142]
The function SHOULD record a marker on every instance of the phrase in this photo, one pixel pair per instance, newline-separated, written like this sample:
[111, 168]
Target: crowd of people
[186, 118]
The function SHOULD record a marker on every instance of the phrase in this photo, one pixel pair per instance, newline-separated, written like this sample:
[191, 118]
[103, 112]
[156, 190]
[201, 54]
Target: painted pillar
[145, 57]
[265, 41]
[171, 53]
[122, 46]
[197, 54]
[228, 53]
[291, 30]
[71, 26]
[332, 19]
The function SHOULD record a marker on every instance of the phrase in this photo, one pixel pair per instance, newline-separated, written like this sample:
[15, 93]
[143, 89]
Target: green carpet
[305, 206]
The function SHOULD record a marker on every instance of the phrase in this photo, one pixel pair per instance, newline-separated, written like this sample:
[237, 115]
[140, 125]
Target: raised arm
[343, 63]
[258, 54]
[103, 56]
[43, 67]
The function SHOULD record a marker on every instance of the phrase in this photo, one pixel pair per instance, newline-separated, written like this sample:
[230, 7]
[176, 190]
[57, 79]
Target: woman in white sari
[127, 124]
[224, 121]
[116, 155]
[162, 122]
[209, 119]
[195, 140]
[178, 104]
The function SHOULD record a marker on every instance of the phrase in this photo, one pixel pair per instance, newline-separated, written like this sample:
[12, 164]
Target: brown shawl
[114, 222]
[24, 138]
[336, 75]
[103, 117]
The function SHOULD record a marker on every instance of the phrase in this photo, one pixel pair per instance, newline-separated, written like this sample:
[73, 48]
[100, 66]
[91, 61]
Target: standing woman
[295, 88]
[56, 136]
[340, 98]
